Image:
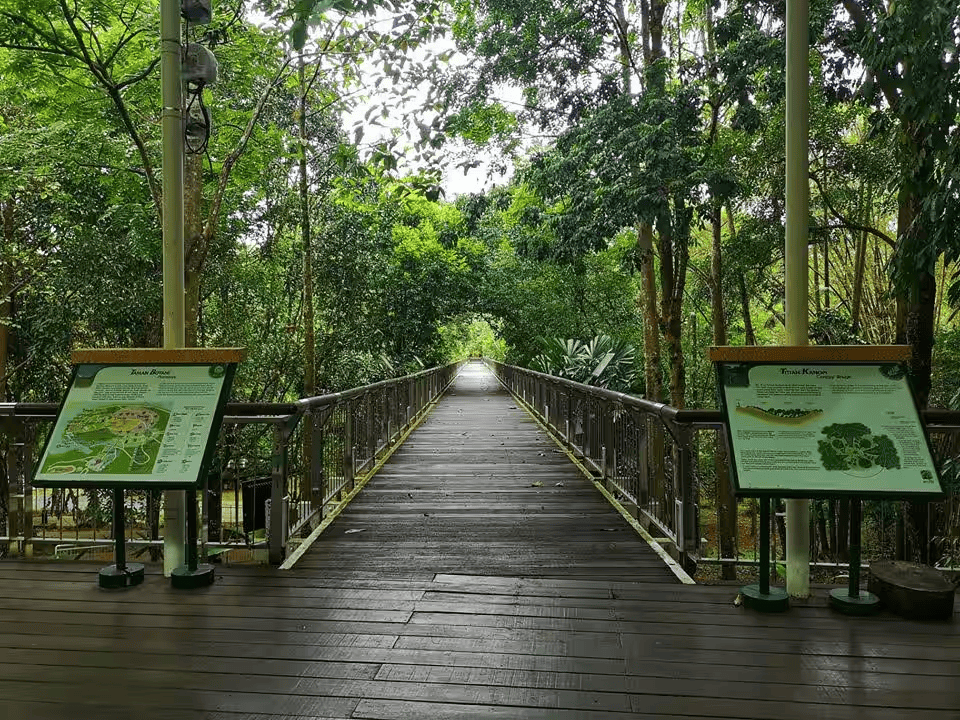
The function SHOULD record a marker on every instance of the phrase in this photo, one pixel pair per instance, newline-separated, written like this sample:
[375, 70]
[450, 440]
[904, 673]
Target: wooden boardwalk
[477, 576]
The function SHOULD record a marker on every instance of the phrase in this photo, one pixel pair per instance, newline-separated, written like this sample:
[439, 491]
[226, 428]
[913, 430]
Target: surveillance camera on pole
[199, 66]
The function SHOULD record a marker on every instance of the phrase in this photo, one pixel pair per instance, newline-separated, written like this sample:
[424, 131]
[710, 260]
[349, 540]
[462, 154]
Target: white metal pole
[171, 127]
[796, 255]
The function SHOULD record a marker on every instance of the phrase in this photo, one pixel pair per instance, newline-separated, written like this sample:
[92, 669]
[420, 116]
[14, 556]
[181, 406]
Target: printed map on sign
[112, 439]
[134, 426]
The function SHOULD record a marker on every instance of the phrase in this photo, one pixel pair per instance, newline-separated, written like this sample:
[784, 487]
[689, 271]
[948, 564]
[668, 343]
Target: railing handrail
[333, 398]
[692, 416]
[48, 410]
[662, 410]
[335, 438]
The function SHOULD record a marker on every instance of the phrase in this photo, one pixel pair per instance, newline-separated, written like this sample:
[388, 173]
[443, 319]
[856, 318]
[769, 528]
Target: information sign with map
[818, 429]
[136, 426]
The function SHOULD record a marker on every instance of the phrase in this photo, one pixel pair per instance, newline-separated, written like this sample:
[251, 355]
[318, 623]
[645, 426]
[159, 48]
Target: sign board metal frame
[184, 389]
[784, 436]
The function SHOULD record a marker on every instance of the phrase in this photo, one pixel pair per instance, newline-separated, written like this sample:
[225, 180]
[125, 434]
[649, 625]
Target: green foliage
[833, 327]
[602, 361]
[945, 391]
[471, 336]
[481, 122]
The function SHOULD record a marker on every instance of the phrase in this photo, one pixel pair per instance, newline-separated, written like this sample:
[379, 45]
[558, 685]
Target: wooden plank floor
[463, 596]
[480, 489]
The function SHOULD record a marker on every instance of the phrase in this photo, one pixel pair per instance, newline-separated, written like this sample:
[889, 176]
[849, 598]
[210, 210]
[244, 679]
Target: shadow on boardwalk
[477, 587]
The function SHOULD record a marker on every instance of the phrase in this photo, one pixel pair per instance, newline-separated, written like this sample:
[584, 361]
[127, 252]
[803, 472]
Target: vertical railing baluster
[688, 540]
[277, 537]
[317, 482]
[347, 460]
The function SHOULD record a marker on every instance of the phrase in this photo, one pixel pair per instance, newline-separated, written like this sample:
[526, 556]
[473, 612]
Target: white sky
[455, 182]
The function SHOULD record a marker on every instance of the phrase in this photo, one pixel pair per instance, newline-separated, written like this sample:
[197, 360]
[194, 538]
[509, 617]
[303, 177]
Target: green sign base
[863, 603]
[113, 577]
[183, 578]
[774, 600]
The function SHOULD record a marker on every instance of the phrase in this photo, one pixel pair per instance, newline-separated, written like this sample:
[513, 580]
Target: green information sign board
[136, 426]
[801, 429]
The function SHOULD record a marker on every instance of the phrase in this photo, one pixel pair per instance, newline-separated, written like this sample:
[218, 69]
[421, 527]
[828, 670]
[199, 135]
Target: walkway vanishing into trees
[477, 575]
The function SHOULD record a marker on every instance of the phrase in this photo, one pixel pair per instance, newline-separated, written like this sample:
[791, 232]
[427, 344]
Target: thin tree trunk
[860, 261]
[623, 42]
[651, 317]
[816, 280]
[7, 210]
[826, 239]
[716, 278]
[916, 313]
[726, 499]
[309, 339]
[843, 529]
[193, 242]
[645, 29]
[821, 510]
[674, 257]
[750, 337]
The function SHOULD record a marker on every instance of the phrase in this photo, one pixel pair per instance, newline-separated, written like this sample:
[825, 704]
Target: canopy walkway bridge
[479, 571]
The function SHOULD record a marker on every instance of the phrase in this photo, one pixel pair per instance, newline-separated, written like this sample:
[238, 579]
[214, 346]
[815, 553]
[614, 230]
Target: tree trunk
[825, 242]
[860, 262]
[716, 278]
[817, 305]
[309, 339]
[821, 509]
[623, 42]
[916, 313]
[193, 244]
[750, 337]
[726, 498]
[651, 318]
[674, 338]
[843, 529]
[6, 290]
[919, 300]
[674, 257]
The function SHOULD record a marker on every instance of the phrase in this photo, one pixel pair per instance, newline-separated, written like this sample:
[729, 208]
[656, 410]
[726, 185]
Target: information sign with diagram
[138, 426]
[816, 429]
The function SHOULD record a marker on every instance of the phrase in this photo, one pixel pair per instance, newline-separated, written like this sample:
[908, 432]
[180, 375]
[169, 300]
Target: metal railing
[261, 494]
[345, 434]
[667, 467]
[639, 449]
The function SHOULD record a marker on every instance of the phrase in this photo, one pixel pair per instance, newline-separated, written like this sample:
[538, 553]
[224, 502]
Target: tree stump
[912, 591]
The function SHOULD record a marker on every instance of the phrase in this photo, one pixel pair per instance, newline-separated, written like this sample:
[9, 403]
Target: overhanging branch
[849, 224]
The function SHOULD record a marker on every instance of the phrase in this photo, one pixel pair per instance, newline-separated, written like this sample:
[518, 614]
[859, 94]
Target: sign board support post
[194, 574]
[761, 596]
[121, 574]
[796, 254]
[853, 600]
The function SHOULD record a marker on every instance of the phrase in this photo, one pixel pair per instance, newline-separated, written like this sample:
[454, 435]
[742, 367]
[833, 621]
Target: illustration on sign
[811, 429]
[133, 425]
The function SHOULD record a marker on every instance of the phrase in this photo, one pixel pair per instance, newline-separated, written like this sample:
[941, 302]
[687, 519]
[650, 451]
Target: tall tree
[909, 51]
